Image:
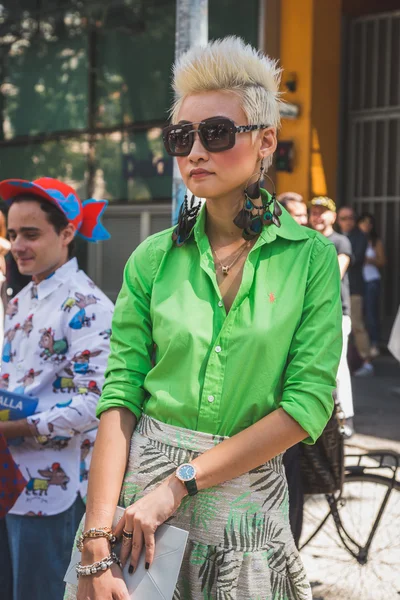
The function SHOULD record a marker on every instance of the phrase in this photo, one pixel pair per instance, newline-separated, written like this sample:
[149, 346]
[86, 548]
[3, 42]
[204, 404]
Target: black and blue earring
[254, 216]
[186, 220]
[245, 218]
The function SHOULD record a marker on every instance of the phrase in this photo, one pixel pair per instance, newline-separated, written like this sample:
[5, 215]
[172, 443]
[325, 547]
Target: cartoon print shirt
[56, 345]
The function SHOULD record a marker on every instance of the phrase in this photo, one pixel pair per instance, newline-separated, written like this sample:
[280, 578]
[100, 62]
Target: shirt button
[218, 349]
[220, 303]
[211, 398]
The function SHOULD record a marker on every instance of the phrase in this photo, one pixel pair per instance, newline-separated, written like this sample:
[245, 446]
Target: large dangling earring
[186, 220]
[254, 216]
[245, 217]
[276, 209]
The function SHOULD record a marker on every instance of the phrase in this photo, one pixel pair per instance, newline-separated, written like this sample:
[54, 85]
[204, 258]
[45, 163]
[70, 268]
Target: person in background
[15, 280]
[54, 352]
[394, 344]
[322, 219]
[295, 206]
[374, 261]
[4, 243]
[346, 220]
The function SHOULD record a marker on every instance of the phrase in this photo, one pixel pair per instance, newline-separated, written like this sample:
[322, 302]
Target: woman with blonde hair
[243, 307]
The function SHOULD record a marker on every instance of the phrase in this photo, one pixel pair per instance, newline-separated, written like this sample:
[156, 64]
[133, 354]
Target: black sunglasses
[216, 134]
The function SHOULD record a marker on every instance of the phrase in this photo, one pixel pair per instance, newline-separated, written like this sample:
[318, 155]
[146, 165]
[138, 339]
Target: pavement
[333, 572]
[377, 406]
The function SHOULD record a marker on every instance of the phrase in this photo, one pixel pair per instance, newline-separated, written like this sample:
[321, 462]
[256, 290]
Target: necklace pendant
[225, 270]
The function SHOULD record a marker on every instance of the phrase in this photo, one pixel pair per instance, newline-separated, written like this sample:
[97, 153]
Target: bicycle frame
[360, 553]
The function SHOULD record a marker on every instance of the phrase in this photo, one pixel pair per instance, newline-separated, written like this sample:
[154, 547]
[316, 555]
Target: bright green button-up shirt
[279, 345]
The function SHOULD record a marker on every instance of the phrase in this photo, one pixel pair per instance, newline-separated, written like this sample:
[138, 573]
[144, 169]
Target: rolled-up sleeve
[131, 341]
[310, 375]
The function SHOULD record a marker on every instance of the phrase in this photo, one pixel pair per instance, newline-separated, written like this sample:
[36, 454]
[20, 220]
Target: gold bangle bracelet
[94, 533]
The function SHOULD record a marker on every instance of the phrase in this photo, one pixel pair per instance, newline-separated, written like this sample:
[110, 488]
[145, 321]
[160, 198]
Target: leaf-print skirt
[240, 545]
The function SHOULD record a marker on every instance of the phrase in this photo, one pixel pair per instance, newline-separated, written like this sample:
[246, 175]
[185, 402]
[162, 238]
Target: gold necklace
[226, 268]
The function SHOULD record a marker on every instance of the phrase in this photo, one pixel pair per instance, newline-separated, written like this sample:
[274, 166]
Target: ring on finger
[127, 534]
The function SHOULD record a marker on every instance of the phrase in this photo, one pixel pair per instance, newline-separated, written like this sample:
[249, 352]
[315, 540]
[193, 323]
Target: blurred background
[85, 92]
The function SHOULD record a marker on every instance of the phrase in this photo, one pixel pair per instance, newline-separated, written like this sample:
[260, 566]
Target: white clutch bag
[159, 581]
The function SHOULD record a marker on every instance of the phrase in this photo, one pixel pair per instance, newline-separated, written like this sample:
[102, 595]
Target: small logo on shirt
[271, 297]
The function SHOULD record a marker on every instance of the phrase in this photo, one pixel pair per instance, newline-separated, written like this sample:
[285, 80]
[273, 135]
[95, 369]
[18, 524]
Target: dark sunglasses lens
[178, 140]
[217, 136]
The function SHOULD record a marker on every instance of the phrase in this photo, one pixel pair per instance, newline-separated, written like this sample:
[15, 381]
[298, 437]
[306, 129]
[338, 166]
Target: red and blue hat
[85, 216]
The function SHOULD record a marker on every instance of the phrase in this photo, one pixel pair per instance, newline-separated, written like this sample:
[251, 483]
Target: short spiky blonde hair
[230, 64]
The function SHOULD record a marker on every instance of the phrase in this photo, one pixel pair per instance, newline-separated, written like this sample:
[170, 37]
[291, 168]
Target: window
[85, 90]
[65, 159]
[133, 166]
[133, 65]
[44, 66]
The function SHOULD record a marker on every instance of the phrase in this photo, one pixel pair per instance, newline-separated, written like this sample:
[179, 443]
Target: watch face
[186, 472]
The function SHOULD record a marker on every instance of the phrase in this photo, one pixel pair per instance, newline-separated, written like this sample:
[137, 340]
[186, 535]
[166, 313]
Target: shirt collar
[53, 281]
[289, 229]
[199, 231]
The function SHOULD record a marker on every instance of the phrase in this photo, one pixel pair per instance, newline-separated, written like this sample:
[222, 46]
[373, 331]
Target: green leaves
[130, 492]
[203, 506]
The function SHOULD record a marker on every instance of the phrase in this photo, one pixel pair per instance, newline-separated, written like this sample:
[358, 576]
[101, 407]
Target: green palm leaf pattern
[130, 491]
[256, 532]
[199, 554]
[187, 441]
[161, 460]
[203, 508]
[242, 504]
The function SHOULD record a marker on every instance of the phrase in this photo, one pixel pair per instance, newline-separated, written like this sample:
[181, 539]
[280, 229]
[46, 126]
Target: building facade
[344, 56]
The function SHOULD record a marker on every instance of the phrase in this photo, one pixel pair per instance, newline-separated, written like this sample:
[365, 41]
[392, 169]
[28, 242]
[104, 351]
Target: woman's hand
[143, 518]
[106, 585]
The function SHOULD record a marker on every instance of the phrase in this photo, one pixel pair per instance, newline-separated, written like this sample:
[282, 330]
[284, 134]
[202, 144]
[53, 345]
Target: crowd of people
[361, 258]
[221, 355]
[361, 273]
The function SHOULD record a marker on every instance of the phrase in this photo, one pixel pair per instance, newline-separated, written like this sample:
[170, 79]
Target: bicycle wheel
[334, 573]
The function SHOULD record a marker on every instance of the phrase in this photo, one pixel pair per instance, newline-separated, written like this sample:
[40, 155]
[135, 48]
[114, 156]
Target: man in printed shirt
[54, 350]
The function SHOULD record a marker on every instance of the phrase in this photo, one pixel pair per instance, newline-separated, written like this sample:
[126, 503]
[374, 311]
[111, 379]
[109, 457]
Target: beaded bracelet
[96, 532]
[100, 565]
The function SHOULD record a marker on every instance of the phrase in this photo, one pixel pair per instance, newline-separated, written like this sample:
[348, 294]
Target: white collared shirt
[56, 345]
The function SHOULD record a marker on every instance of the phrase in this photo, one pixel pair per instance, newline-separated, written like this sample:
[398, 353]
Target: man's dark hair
[373, 234]
[54, 216]
[348, 208]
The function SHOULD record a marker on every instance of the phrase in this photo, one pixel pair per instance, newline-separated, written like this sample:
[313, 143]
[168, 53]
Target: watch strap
[191, 487]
